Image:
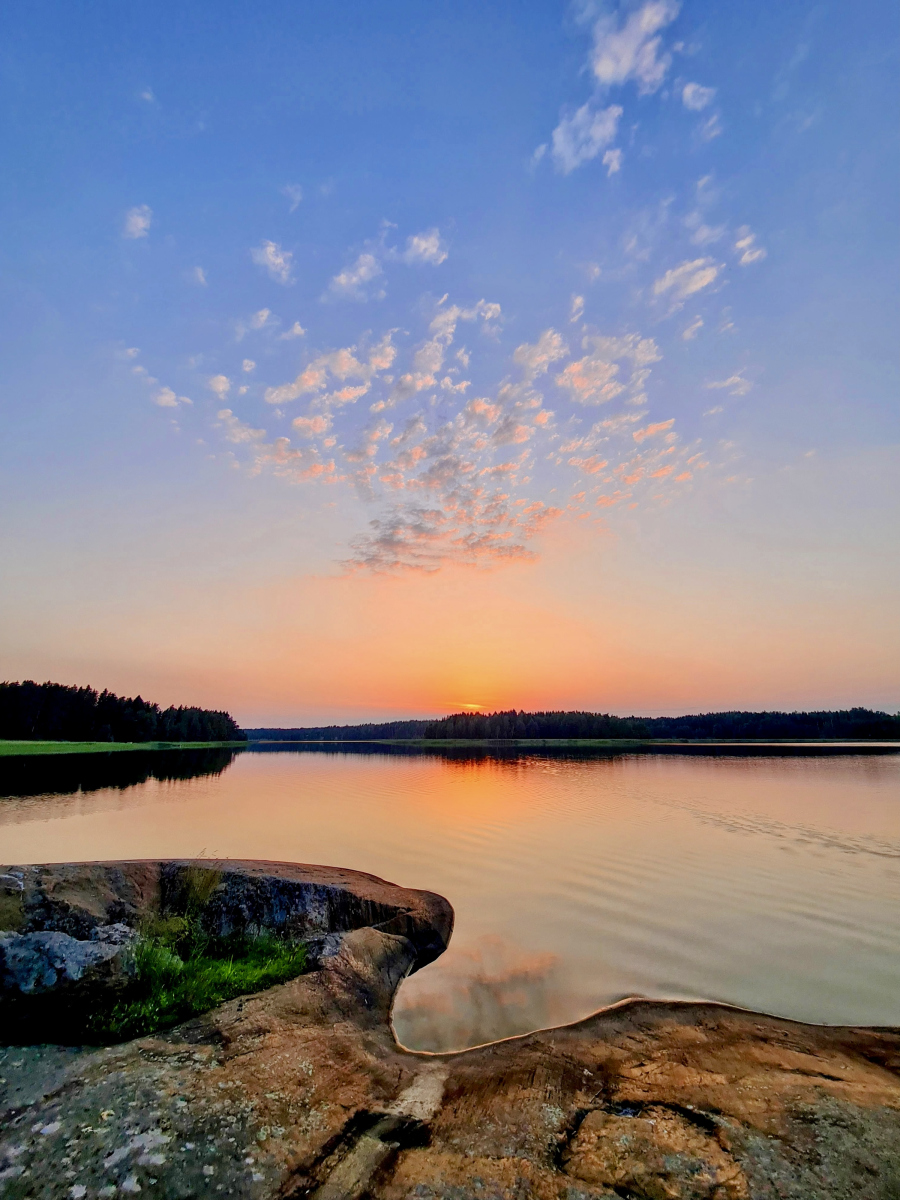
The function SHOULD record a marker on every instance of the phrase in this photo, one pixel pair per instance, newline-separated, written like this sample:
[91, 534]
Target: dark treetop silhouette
[53, 712]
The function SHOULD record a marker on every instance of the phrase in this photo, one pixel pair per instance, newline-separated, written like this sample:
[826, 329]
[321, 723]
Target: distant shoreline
[10, 748]
[36, 748]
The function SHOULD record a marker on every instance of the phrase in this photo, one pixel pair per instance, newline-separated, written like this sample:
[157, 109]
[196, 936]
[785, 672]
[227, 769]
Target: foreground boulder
[303, 1091]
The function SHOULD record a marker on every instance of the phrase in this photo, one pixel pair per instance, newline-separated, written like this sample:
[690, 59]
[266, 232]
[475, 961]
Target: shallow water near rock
[769, 882]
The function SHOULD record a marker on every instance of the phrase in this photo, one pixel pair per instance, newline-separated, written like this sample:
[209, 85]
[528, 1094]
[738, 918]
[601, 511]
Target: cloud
[710, 128]
[295, 331]
[692, 330]
[277, 262]
[198, 275]
[746, 247]
[630, 51]
[260, 319]
[425, 247]
[594, 379]
[312, 426]
[166, 398]
[696, 98]
[612, 160]
[220, 384]
[649, 431]
[348, 284]
[147, 94]
[536, 359]
[248, 365]
[235, 429]
[576, 310]
[138, 221]
[294, 193]
[340, 365]
[579, 138]
[591, 380]
[736, 385]
[686, 279]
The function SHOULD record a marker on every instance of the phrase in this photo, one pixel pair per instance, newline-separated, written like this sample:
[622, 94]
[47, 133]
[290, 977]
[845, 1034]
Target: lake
[769, 881]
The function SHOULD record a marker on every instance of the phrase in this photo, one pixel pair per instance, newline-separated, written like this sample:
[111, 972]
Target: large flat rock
[304, 1091]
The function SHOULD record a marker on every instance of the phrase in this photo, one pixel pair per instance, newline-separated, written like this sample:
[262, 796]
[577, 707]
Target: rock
[303, 1091]
[35, 963]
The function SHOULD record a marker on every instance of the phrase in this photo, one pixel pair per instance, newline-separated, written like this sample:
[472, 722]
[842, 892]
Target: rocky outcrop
[303, 1091]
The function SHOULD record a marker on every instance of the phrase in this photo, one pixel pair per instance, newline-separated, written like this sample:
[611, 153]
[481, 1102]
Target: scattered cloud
[198, 275]
[580, 137]
[696, 98]
[294, 193]
[710, 128]
[654, 430]
[576, 310]
[235, 429]
[612, 160]
[746, 247]
[147, 94]
[248, 365]
[166, 398]
[350, 283]
[690, 332]
[295, 331]
[630, 51]
[220, 384]
[277, 262]
[536, 359]
[138, 221]
[736, 385]
[685, 280]
[425, 247]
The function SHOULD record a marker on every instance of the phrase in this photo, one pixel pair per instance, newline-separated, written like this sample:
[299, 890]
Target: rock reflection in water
[490, 990]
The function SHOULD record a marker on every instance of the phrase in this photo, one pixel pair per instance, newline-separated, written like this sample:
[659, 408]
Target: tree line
[385, 731]
[55, 712]
[854, 724]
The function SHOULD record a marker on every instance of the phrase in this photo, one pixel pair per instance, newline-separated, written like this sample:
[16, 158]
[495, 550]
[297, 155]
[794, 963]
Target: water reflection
[48, 774]
[493, 989]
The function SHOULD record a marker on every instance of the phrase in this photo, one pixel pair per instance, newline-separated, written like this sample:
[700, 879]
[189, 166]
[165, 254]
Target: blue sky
[292, 290]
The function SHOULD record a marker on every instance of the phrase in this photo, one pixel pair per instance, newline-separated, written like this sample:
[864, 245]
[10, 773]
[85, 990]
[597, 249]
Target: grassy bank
[8, 748]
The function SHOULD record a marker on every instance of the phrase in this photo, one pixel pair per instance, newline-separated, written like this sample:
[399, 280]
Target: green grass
[181, 971]
[8, 747]
[169, 988]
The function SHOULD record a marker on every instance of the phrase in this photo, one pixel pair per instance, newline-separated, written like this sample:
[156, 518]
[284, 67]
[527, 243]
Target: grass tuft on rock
[179, 971]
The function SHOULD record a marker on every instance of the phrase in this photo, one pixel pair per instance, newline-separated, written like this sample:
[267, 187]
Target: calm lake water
[769, 882]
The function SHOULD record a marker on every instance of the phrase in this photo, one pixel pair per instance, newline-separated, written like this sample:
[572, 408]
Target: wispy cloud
[654, 430]
[535, 359]
[198, 275]
[576, 309]
[294, 193]
[736, 385]
[690, 332]
[138, 221]
[630, 50]
[696, 98]
[746, 247]
[580, 137]
[350, 283]
[278, 262]
[612, 160]
[685, 280]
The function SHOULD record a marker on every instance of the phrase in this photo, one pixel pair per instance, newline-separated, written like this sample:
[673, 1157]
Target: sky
[366, 361]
